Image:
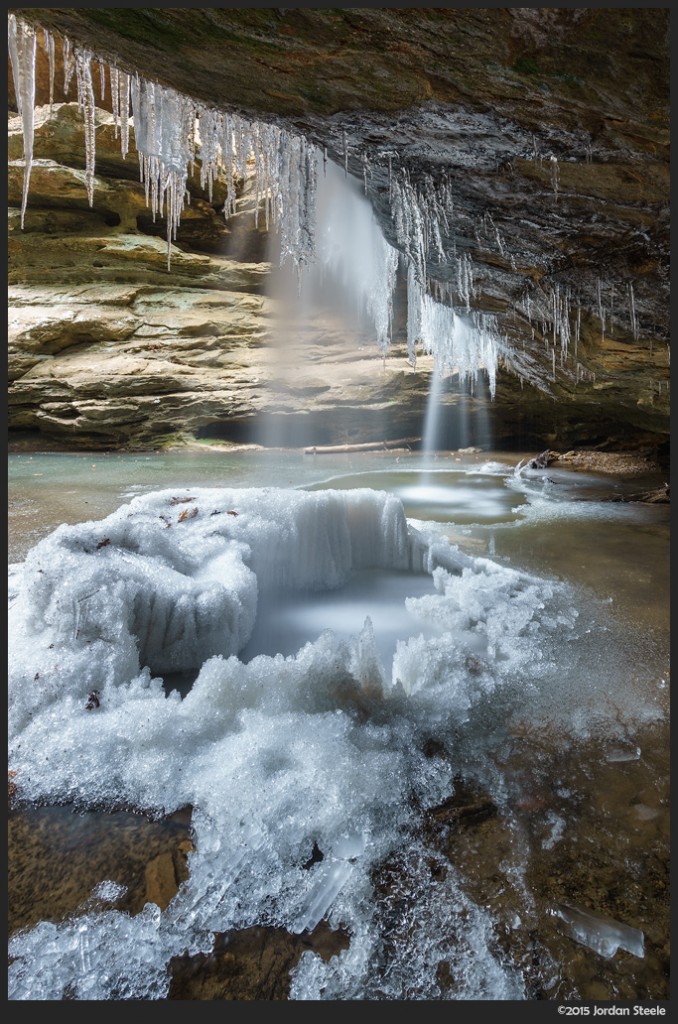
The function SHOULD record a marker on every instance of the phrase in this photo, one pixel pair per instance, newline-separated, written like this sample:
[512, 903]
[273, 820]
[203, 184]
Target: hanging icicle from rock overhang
[22, 47]
[172, 132]
[169, 129]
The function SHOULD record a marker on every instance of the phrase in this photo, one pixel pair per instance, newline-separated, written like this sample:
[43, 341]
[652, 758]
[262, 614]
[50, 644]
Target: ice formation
[460, 345]
[22, 46]
[601, 934]
[173, 132]
[174, 580]
[351, 252]
[278, 755]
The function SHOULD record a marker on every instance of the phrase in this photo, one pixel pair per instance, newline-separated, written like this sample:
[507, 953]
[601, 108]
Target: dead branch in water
[367, 446]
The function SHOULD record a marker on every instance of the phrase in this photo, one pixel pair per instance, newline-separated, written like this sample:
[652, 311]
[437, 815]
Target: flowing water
[552, 841]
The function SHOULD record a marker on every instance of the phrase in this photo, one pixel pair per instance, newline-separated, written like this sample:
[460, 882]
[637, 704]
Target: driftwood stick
[367, 446]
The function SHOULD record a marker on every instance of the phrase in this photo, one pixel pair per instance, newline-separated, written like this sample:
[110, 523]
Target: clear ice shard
[622, 752]
[601, 934]
[330, 877]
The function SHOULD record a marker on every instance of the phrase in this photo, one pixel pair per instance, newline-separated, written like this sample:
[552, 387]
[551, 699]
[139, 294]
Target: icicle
[22, 47]
[102, 77]
[555, 175]
[632, 309]
[367, 169]
[86, 102]
[565, 332]
[12, 42]
[465, 279]
[48, 44]
[123, 107]
[601, 309]
[345, 154]
[69, 65]
[145, 175]
[114, 78]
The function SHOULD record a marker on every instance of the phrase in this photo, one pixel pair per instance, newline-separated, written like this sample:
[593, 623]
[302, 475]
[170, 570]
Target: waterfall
[431, 438]
[345, 292]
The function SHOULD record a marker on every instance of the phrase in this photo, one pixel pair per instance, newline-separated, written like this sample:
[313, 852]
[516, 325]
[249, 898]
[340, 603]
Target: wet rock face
[546, 129]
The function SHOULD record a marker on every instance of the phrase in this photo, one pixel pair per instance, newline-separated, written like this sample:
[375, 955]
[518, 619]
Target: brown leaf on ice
[231, 513]
[180, 501]
[188, 514]
[104, 543]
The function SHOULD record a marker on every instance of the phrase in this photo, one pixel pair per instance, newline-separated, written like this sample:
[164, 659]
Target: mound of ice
[172, 579]
[279, 756]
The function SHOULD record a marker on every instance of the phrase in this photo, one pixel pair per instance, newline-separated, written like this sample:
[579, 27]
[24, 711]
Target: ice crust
[277, 756]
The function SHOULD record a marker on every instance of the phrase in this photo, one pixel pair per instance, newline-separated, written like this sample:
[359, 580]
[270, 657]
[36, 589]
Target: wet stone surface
[58, 857]
[253, 963]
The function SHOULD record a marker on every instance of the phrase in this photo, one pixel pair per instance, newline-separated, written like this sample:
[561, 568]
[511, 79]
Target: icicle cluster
[171, 133]
[552, 309]
[420, 215]
[164, 123]
[463, 346]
